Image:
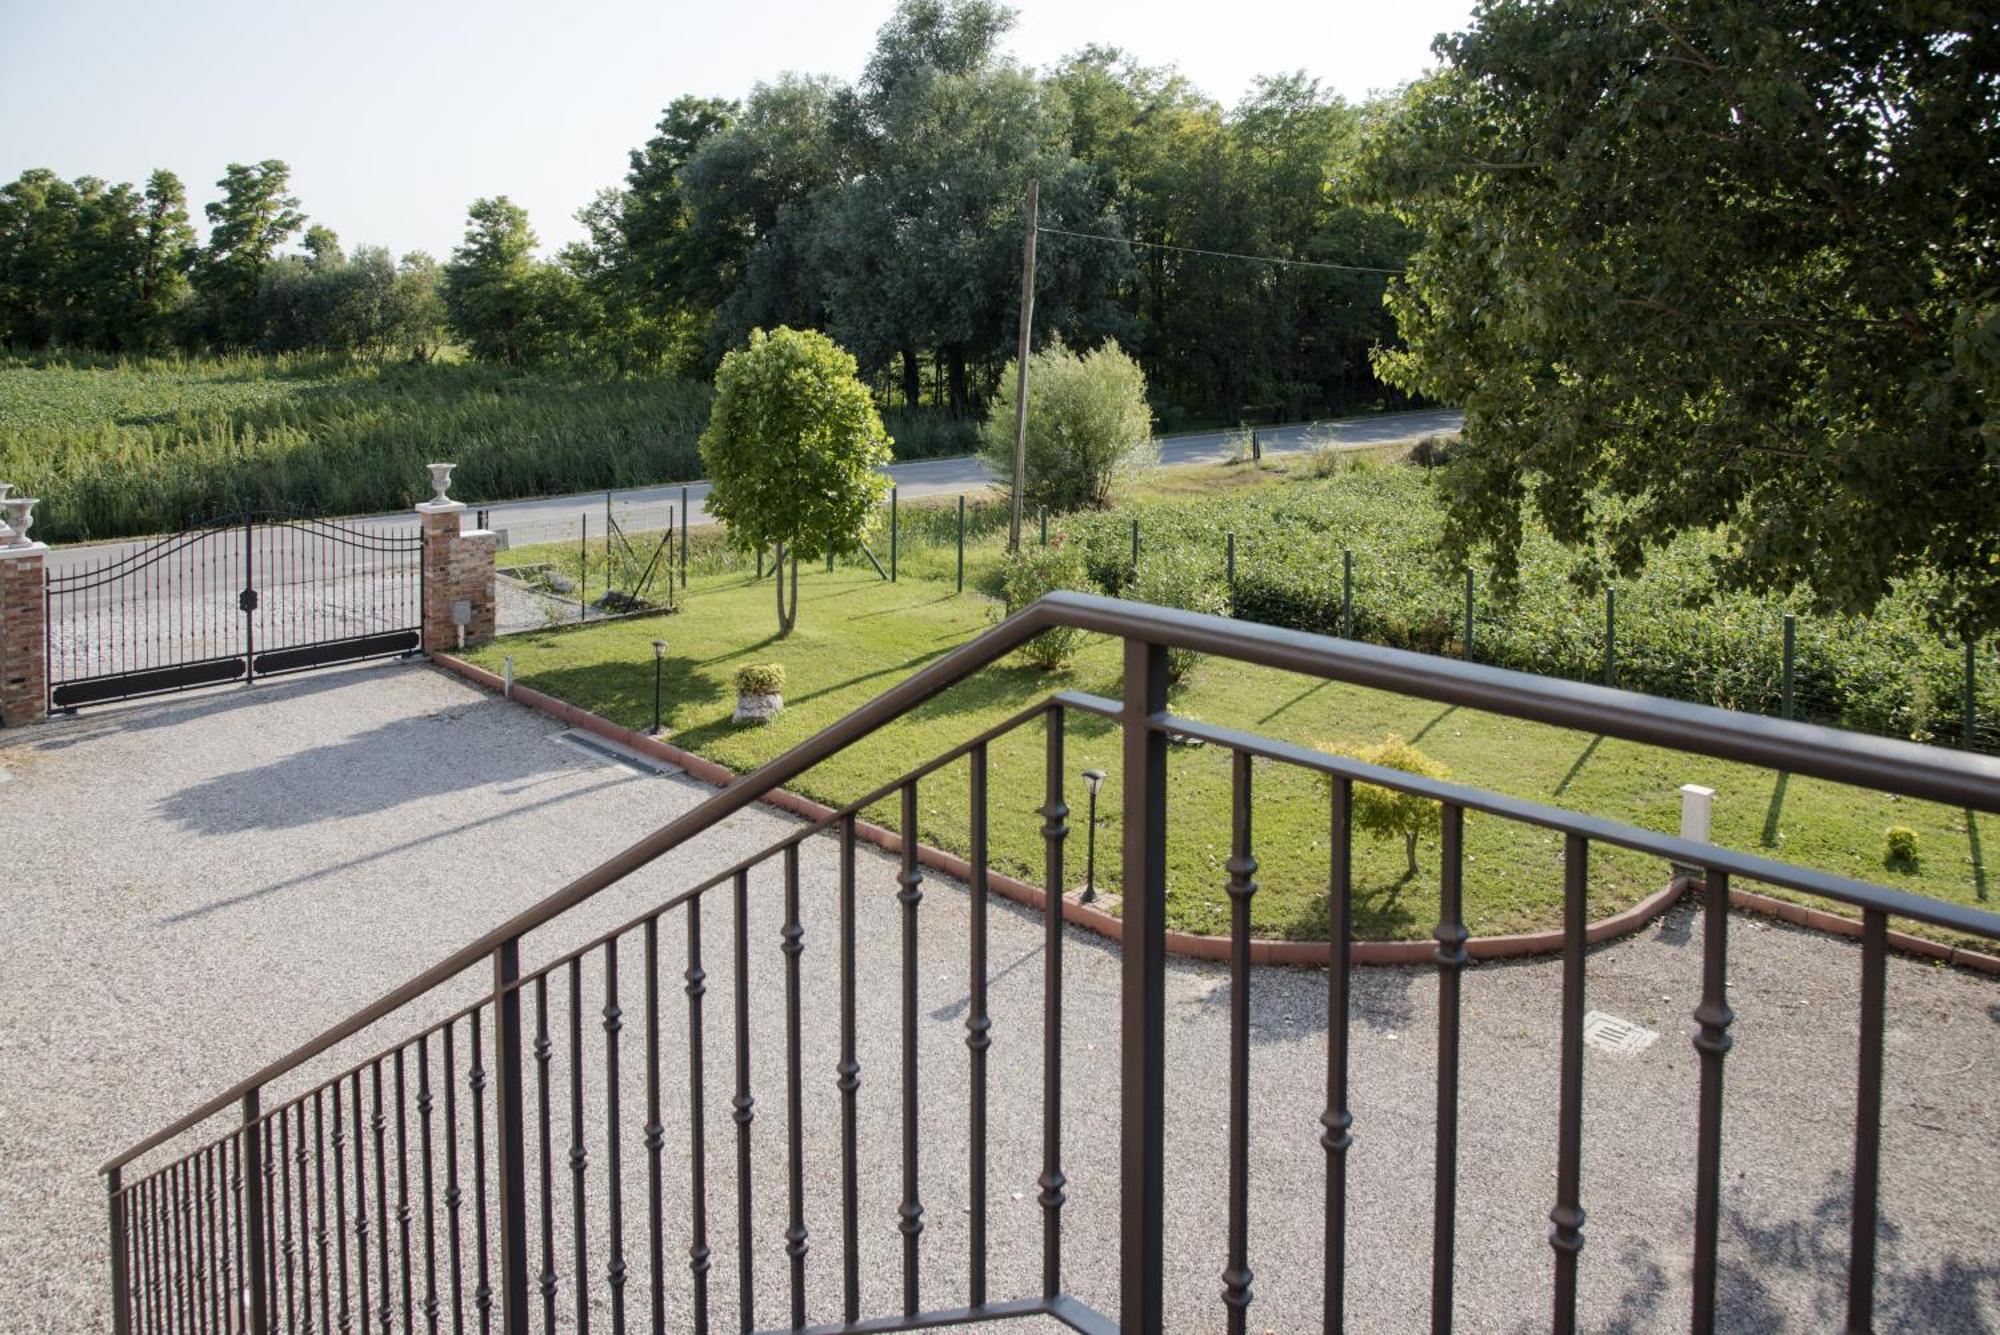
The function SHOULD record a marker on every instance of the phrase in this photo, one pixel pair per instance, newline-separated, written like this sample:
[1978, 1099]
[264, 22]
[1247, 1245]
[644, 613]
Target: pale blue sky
[395, 116]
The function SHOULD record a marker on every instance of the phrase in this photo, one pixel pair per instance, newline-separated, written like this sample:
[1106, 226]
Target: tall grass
[116, 448]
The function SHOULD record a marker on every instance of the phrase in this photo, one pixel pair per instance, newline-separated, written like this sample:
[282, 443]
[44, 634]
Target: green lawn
[858, 635]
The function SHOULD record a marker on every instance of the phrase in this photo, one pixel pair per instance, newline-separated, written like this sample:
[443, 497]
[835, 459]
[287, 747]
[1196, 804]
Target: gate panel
[235, 600]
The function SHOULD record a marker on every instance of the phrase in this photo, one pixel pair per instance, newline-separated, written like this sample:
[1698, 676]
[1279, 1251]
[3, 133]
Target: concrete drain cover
[1612, 1034]
[606, 749]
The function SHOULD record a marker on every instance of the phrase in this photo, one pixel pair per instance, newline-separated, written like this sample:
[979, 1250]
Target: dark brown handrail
[1809, 750]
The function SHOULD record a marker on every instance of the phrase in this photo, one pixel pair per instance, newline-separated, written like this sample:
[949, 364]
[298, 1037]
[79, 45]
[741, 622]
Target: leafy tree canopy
[792, 448]
[1715, 263]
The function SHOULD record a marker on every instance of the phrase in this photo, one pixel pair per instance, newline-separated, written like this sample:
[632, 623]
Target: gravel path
[196, 884]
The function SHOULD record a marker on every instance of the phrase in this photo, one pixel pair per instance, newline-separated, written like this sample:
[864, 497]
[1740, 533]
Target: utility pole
[1021, 360]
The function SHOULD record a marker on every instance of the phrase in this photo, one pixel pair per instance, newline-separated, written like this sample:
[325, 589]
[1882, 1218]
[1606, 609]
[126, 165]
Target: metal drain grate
[1611, 1034]
[606, 749]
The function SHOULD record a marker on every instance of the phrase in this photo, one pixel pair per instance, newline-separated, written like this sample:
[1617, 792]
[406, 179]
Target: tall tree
[490, 286]
[679, 271]
[256, 215]
[166, 256]
[1717, 263]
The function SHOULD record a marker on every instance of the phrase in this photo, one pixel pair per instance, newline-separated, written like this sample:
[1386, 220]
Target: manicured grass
[858, 635]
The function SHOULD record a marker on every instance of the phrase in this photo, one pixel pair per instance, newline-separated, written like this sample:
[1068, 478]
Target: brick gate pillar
[24, 669]
[458, 572]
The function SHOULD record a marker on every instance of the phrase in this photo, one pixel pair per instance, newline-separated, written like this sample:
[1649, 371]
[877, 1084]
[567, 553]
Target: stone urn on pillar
[441, 483]
[20, 512]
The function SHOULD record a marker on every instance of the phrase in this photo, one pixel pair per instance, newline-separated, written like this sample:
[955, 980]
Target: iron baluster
[1242, 869]
[425, 1104]
[403, 1188]
[453, 1196]
[614, 1271]
[1450, 957]
[1055, 829]
[1868, 1124]
[978, 1031]
[656, 1136]
[379, 1124]
[482, 1293]
[849, 1084]
[319, 1211]
[340, 1211]
[543, 1049]
[698, 1253]
[361, 1309]
[1142, 1020]
[577, 1154]
[744, 1108]
[1336, 1136]
[253, 1220]
[1568, 1215]
[511, 1139]
[1712, 1042]
[792, 943]
[911, 1213]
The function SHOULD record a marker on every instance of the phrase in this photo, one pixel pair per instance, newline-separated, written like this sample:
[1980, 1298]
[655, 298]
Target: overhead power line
[1218, 254]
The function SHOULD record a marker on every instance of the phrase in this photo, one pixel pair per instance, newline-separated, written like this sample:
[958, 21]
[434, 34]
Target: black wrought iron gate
[249, 596]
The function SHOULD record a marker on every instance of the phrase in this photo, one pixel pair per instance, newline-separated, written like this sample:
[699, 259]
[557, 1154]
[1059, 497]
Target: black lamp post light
[659, 666]
[1091, 779]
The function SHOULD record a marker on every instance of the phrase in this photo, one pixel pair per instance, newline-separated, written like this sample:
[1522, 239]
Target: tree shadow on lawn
[622, 689]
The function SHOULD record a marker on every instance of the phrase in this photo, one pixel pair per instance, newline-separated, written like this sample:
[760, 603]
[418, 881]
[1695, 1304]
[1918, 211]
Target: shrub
[1434, 451]
[760, 679]
[1179, 576]
[1386, 812]
[1087, 423]
[1899, 848]
[1035, 570]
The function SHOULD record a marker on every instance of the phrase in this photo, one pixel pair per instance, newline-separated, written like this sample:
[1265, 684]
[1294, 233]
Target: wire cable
[1218, 254]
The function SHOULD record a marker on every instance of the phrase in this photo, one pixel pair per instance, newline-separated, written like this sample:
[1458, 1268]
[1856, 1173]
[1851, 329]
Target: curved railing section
[332, 1206]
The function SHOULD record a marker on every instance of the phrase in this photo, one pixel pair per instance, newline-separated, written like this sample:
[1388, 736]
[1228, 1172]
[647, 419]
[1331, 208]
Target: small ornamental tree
[1386, 812]
[792, 448]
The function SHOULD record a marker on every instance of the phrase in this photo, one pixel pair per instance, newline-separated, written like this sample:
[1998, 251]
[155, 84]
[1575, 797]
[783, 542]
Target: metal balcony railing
[310, 1215]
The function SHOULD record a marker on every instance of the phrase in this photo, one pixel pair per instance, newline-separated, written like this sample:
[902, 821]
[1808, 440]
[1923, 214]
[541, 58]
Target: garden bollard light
[507, 686]
[659, 666]
[1091, 779]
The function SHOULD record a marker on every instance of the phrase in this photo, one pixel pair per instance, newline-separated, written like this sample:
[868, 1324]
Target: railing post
[121, 1287]
[511, 1138]
[1142, 1025]
[252, 1156]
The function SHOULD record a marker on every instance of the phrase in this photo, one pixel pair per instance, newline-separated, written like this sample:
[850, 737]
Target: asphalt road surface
[643, 508]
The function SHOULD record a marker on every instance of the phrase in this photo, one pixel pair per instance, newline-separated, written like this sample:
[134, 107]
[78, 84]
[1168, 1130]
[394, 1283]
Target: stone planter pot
[20, 512]
[758, 708]
[441, 482]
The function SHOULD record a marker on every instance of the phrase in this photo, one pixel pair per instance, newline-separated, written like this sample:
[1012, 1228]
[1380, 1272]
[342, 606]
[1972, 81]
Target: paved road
[641, 508]
[197, 884]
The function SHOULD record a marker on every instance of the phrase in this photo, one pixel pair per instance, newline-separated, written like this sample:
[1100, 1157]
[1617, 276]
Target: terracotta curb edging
[1189, 945]
[1819, 920]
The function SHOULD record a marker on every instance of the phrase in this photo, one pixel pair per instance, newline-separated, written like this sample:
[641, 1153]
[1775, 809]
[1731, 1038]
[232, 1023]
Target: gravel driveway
[196, 884]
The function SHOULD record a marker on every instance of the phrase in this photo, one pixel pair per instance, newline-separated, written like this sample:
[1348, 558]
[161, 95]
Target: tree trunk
[778, 578]
[913, 381]
[955, 356]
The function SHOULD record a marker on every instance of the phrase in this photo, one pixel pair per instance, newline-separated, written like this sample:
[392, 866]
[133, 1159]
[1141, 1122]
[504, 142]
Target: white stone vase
[759, 708]
[441, 482]
[20, 512]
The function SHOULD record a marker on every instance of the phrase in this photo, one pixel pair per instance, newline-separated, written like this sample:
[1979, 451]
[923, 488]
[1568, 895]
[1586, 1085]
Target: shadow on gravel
[174, 710]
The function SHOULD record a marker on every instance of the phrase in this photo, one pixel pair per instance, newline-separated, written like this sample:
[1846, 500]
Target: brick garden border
[1191, 945]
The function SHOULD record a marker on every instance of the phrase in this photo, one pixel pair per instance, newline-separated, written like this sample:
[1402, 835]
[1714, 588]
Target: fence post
[1142, 996]
[1971, 698]
[121, 1286]
[1045, 526]
[1610, 636]
[1229, 562]
[511, 1138]
[892, 535]
[961, 542]
[1135, 546]
[1468, 614]
[1256, 447]
[1347, 593]
[684, 537]
[583, 567]
[252, 1158]
[1791, 641]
